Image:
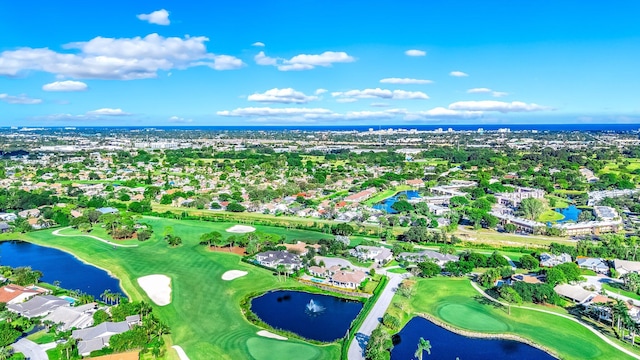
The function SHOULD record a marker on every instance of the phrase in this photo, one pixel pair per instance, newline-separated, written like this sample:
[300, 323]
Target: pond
[386, 204]
[58, 265]
[312, 316]
[449, 345]
[570, 213]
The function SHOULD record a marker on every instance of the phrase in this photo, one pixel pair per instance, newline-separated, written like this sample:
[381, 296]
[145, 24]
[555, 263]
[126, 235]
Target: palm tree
[5, 353]
[619, 311]
[423, 345]
[280, 269]
[105, 295]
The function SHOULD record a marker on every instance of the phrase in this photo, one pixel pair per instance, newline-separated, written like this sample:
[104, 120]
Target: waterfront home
[428, 255]
[624, 266]
[272, 259]
[38, 306]
[67, 318]
[13, 294]
[361, 196]
[378, 254]
[415, 183]
[594, 264]
[551, 260]
[347, 279]
[97, 337]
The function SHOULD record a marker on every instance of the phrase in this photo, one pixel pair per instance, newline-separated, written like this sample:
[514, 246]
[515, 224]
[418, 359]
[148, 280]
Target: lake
[58, 265]
[385, 205]
[570, 213]
[312, 316]
[449, 345]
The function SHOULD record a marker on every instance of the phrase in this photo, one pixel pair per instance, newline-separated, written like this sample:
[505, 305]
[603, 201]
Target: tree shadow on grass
[484, 301]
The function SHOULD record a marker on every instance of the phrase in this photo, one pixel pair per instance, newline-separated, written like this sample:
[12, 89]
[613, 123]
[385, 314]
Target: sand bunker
[269, 335]
[157, 287]
[241, 229]
[181, 354]
[233, 274]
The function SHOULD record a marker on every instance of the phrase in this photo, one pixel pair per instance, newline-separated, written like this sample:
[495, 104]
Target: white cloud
[108, 112]
[304, 61]
[441, 112]
[346, 100]
[487, 91]
[414, 52]
[285, 96]
[500, 106]
[159, 17]
[262, 59]
[320, 91]
[117, 58]
[179, 120]
[382, 93]
[67, 85]
[479, 91]
[258, 44]
[378, 104]
[405, 81]
[21, 99]
[267, 111]
[458, 74]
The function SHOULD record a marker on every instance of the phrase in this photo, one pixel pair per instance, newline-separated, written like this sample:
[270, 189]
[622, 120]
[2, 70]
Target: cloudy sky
[312, 62]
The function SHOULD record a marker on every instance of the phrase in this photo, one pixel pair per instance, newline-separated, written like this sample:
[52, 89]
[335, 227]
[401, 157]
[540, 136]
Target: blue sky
[318, 62]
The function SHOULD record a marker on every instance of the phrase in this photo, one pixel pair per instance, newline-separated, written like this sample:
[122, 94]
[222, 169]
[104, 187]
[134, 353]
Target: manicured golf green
[205, 316]
[455, 302]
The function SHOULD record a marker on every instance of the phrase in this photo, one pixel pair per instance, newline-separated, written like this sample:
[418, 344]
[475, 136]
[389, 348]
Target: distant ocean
[486, 127]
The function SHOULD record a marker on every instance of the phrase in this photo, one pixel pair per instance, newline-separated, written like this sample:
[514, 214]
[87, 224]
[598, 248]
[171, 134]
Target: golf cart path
[57, 233]
[606, 339]
[359, 343]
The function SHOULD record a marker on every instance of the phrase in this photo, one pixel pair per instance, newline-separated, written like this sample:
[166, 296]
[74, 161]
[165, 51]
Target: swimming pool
[68, 299]
[315, 280]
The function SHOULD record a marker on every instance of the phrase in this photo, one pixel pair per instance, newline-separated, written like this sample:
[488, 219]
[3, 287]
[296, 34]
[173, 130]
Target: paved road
[30, 350]
[596, 332]
[359, 343]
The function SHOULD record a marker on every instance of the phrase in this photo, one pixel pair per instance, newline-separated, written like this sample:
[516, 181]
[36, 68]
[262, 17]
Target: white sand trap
[233, 274]
[269, 335]
[157, 287]
[241, 229]
[181, 354]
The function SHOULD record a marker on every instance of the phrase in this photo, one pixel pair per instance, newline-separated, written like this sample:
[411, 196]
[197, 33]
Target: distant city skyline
[242, 63]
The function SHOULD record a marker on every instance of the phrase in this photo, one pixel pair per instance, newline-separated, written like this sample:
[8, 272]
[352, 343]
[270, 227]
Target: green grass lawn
[385, 194]
[455, 302]
[550, 216]
[205, 316]
[617, 288]
[42, 337]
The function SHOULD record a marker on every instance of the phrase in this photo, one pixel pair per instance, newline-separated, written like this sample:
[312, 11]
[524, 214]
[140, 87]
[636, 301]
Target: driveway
[30, 350]
[359, 343]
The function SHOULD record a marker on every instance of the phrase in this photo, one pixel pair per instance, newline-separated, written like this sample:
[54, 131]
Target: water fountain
[314, 308]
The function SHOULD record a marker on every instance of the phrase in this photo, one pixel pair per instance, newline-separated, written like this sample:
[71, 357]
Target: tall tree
[423, 345]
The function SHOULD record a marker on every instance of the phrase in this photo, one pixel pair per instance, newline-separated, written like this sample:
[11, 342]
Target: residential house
[416, 183]
[347, 279]
[38, 306]
[31, 213]
[4, 227]
[8, 217]
[13, 294]
[428, 255]
[301, 248]
[272, 259]
[97, 337]
[321, 271]
[78, 317]
[551, 260]
[378, 254]
[624, 266]
[574, 293]
[528, 278]
[594, 264]
[361, 196]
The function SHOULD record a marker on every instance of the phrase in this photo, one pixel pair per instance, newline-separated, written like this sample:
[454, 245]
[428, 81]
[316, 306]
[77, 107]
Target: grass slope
[550, 216]
[205, 316]
[455, 302]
